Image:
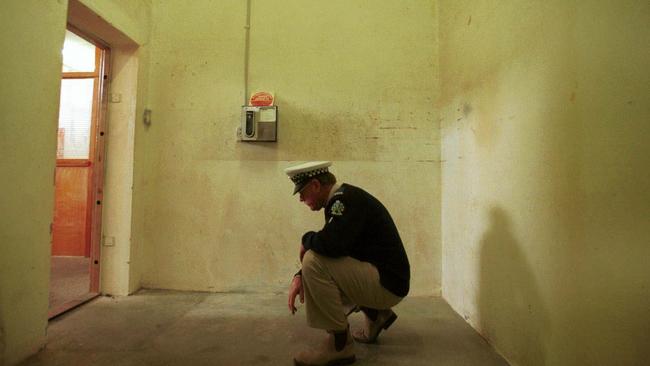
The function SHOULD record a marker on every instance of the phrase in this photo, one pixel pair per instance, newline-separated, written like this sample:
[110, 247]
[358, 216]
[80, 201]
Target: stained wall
[355, 84]
[545, 207]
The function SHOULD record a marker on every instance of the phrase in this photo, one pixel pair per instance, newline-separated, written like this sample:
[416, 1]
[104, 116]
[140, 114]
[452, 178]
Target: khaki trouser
[332, 284]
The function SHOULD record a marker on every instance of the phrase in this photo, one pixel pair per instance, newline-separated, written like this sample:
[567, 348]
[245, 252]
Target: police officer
[355, 262]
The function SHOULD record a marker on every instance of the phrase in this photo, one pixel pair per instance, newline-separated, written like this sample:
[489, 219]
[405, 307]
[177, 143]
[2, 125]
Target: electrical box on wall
[259, 123]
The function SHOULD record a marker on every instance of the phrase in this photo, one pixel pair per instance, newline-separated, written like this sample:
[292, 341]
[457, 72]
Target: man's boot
[337, 349]
[376, 321]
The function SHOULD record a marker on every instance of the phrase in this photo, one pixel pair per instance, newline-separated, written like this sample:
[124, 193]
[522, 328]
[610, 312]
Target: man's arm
[302, 253]
[340, 232]
[294, 290]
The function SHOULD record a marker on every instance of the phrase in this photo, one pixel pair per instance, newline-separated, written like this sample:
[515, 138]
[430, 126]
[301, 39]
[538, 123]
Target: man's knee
[311, 263]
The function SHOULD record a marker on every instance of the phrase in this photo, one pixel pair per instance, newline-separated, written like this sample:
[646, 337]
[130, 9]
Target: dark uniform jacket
[359, 226]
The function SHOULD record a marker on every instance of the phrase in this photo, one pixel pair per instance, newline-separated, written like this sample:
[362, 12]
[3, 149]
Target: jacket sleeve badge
[337, 208]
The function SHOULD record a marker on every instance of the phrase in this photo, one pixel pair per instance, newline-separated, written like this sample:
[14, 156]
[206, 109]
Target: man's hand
[294, 290]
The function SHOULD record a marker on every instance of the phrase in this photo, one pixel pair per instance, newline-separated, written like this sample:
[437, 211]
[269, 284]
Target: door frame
[95, 161]
[97, 155]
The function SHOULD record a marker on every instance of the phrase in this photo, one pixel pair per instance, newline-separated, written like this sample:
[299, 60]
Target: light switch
[109, 241]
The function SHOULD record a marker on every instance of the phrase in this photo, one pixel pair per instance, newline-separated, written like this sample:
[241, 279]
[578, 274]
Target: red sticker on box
[261, 99]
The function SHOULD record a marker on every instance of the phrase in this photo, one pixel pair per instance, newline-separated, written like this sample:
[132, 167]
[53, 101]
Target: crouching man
[355, 262]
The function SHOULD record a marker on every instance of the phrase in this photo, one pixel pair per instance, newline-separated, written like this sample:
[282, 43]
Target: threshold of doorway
[54, 312]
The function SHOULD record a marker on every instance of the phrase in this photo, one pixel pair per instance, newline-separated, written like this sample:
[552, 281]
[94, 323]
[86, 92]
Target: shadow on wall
[511, 311]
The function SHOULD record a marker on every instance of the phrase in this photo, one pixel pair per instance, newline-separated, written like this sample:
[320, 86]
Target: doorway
[76, 231]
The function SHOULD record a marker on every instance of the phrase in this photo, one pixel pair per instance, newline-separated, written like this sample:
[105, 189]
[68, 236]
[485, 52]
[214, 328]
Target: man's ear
[317, 185]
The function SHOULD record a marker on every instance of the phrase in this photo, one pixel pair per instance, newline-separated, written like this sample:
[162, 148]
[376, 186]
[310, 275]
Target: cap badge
[337, 208]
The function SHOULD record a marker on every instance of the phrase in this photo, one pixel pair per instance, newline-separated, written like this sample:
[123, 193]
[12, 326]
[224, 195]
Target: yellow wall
[355, 83]
[131, 17]
[545, 202]
[137, 260]
[543, 116]
[29, 98]
[29, 101]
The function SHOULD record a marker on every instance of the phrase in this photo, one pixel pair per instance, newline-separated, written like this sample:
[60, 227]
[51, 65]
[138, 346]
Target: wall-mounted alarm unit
[259, 123]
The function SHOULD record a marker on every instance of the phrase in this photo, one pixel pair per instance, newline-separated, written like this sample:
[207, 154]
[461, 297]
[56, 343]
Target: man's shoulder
[348, 193]
[344, 193]
[345, 197]
[354, 190]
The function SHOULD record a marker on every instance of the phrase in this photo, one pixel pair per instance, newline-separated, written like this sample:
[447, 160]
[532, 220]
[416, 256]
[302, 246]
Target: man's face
[311, 195]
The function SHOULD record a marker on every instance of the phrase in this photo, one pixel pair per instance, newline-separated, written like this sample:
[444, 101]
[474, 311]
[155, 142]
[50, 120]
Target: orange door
[70, 236]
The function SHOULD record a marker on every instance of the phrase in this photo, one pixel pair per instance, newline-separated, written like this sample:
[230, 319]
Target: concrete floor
[157, 327]
[69, 279]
